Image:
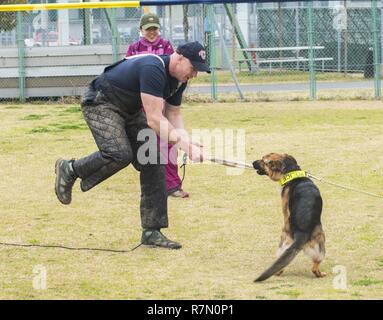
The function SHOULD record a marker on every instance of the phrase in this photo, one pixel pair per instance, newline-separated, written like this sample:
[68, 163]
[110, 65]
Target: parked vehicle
[50, 39]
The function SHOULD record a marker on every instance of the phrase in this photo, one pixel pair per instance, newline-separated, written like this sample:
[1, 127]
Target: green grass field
[229, 228]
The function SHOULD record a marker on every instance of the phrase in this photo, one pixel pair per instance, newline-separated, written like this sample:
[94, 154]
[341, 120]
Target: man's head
[187, 61]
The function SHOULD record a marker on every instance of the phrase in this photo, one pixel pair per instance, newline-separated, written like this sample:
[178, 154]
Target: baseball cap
[149, 20]
[196, 53]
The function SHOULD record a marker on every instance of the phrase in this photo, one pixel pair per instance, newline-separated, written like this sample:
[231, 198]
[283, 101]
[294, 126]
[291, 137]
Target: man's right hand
[195, 153]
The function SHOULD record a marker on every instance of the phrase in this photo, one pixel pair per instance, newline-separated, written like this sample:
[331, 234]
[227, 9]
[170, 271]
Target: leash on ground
[242, 165]
[9, 244]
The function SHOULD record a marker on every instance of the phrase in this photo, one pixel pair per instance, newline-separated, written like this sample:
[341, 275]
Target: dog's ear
[289, 164]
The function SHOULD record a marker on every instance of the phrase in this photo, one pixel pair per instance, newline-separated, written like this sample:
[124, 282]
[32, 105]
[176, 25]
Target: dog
[302, 209]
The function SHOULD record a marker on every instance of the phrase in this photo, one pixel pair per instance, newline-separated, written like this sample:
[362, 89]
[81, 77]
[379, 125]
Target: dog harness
[292, 176]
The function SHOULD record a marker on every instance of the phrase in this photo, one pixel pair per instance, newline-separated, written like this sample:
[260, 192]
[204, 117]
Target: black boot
[154, 237]
[65, 178]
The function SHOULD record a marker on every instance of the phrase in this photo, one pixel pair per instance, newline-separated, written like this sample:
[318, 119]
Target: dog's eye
[274, 165]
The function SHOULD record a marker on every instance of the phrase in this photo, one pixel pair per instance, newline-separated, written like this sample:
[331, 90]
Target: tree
[8, 19]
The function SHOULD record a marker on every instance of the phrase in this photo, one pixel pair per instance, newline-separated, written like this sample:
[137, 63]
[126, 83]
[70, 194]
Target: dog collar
[292, 176]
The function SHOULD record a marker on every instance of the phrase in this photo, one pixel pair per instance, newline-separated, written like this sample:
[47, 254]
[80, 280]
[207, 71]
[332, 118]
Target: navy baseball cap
[196, 53]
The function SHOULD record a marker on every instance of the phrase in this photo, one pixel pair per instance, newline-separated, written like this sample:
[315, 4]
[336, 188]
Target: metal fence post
[87, 25]
[241, 39]
[297, 38]
[313, 93]
[375, 32]
[111, 16]
[115, 35]
[21, 52]
[345, 34]
[381, 31]
[211, 50]
[226, 55]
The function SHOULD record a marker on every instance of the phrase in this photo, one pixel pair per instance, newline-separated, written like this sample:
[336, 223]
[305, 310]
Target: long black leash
[63, 247]
[184, 161]
[9, 244]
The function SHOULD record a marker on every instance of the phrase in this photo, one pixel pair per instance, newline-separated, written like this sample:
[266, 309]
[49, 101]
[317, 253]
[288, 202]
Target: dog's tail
[300, 238]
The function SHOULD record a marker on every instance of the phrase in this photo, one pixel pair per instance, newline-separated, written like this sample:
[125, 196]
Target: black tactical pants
[115, 132]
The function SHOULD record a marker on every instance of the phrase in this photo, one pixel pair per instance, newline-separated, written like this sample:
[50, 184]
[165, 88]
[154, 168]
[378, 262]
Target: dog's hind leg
[315, 249]
[285, 242]
[315, 270]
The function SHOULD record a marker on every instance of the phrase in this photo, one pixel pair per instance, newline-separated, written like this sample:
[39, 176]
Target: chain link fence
[253, 48]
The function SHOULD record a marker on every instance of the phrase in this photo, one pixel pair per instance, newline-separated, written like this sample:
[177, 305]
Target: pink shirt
[158, 47]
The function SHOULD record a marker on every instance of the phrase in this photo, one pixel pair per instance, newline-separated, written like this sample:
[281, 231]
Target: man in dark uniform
[112, 108]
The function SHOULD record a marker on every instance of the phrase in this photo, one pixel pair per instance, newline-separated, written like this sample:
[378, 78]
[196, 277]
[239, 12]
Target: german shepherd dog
[302, 208]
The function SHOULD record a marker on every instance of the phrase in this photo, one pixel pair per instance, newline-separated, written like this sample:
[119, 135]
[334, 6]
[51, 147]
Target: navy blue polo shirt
[147, 74]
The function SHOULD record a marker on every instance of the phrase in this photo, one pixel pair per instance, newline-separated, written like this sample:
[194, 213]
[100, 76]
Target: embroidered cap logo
[202, 54]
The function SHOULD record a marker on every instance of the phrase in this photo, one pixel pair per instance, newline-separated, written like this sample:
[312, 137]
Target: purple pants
[173, 181]
[170, 153]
